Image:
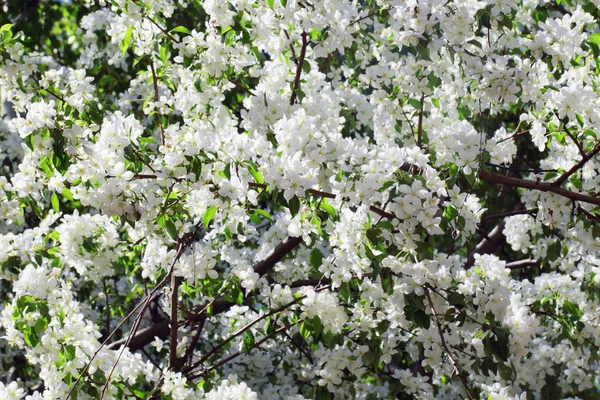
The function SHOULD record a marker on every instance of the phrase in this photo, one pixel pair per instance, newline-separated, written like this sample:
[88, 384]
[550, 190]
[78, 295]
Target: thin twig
[420, 124]
[508, 214]
[456, 365]
[522, 263]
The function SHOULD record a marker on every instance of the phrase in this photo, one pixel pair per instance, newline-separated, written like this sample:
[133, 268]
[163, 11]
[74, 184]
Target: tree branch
[543, 186]
[576, 167]
[299, 69]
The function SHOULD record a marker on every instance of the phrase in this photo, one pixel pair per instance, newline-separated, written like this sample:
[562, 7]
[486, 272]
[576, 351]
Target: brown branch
[522, 263]
[299, 69]
[365, 17]
[576, 167]
[488, 244]
[287, 36]
[579, 147]
[508, 214]
[542, 186]
[241, 87]
[456, 365]
[280, 251]
[512, 136]
[174, 361]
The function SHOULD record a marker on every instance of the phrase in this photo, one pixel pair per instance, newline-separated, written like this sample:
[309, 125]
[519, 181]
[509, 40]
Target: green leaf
[181, 29]
[294, 205]
[264, 214]
[553, 251]
[595, 38]
[345, 292]
[40, 325]
[305, 330]
[422, 319]
[369, 358]
[5, 27]
[54, 201]
[306, 67]
[209, 215]
[68, 195]
[315, 258]
[328, 208]
[317, 326]
[596, 232]
[124, 45]
[70, 352]
[256, 174]
[450, 212]
[171, 229]
[321, 393]
[248, 341]
[271, 4]
[31, 337]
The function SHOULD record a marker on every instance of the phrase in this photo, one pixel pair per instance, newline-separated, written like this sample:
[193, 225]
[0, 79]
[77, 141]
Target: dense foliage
[300, 199]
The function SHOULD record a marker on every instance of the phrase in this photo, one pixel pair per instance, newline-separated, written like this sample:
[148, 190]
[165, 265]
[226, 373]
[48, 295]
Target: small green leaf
[450, 212]
[256, 174]
[306, 67]
[271, 4]
[54, 201]
[181, 29]
[68, 195]
[70, 352]
[328, 208]
[40, 325]
[248, 341]
[315, 258]
[124, 45]
[209, 215]
[595, 38]
[596, 232]
[264, 214]
[5, 27]
[369, 358]
[345, 291]
[171, 229]
[294, 205]
[553, 251]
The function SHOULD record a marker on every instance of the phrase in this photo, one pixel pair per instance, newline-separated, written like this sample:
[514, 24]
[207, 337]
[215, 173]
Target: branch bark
[542, 186]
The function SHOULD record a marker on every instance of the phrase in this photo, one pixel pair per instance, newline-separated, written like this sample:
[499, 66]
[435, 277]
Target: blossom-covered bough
[300, 199]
